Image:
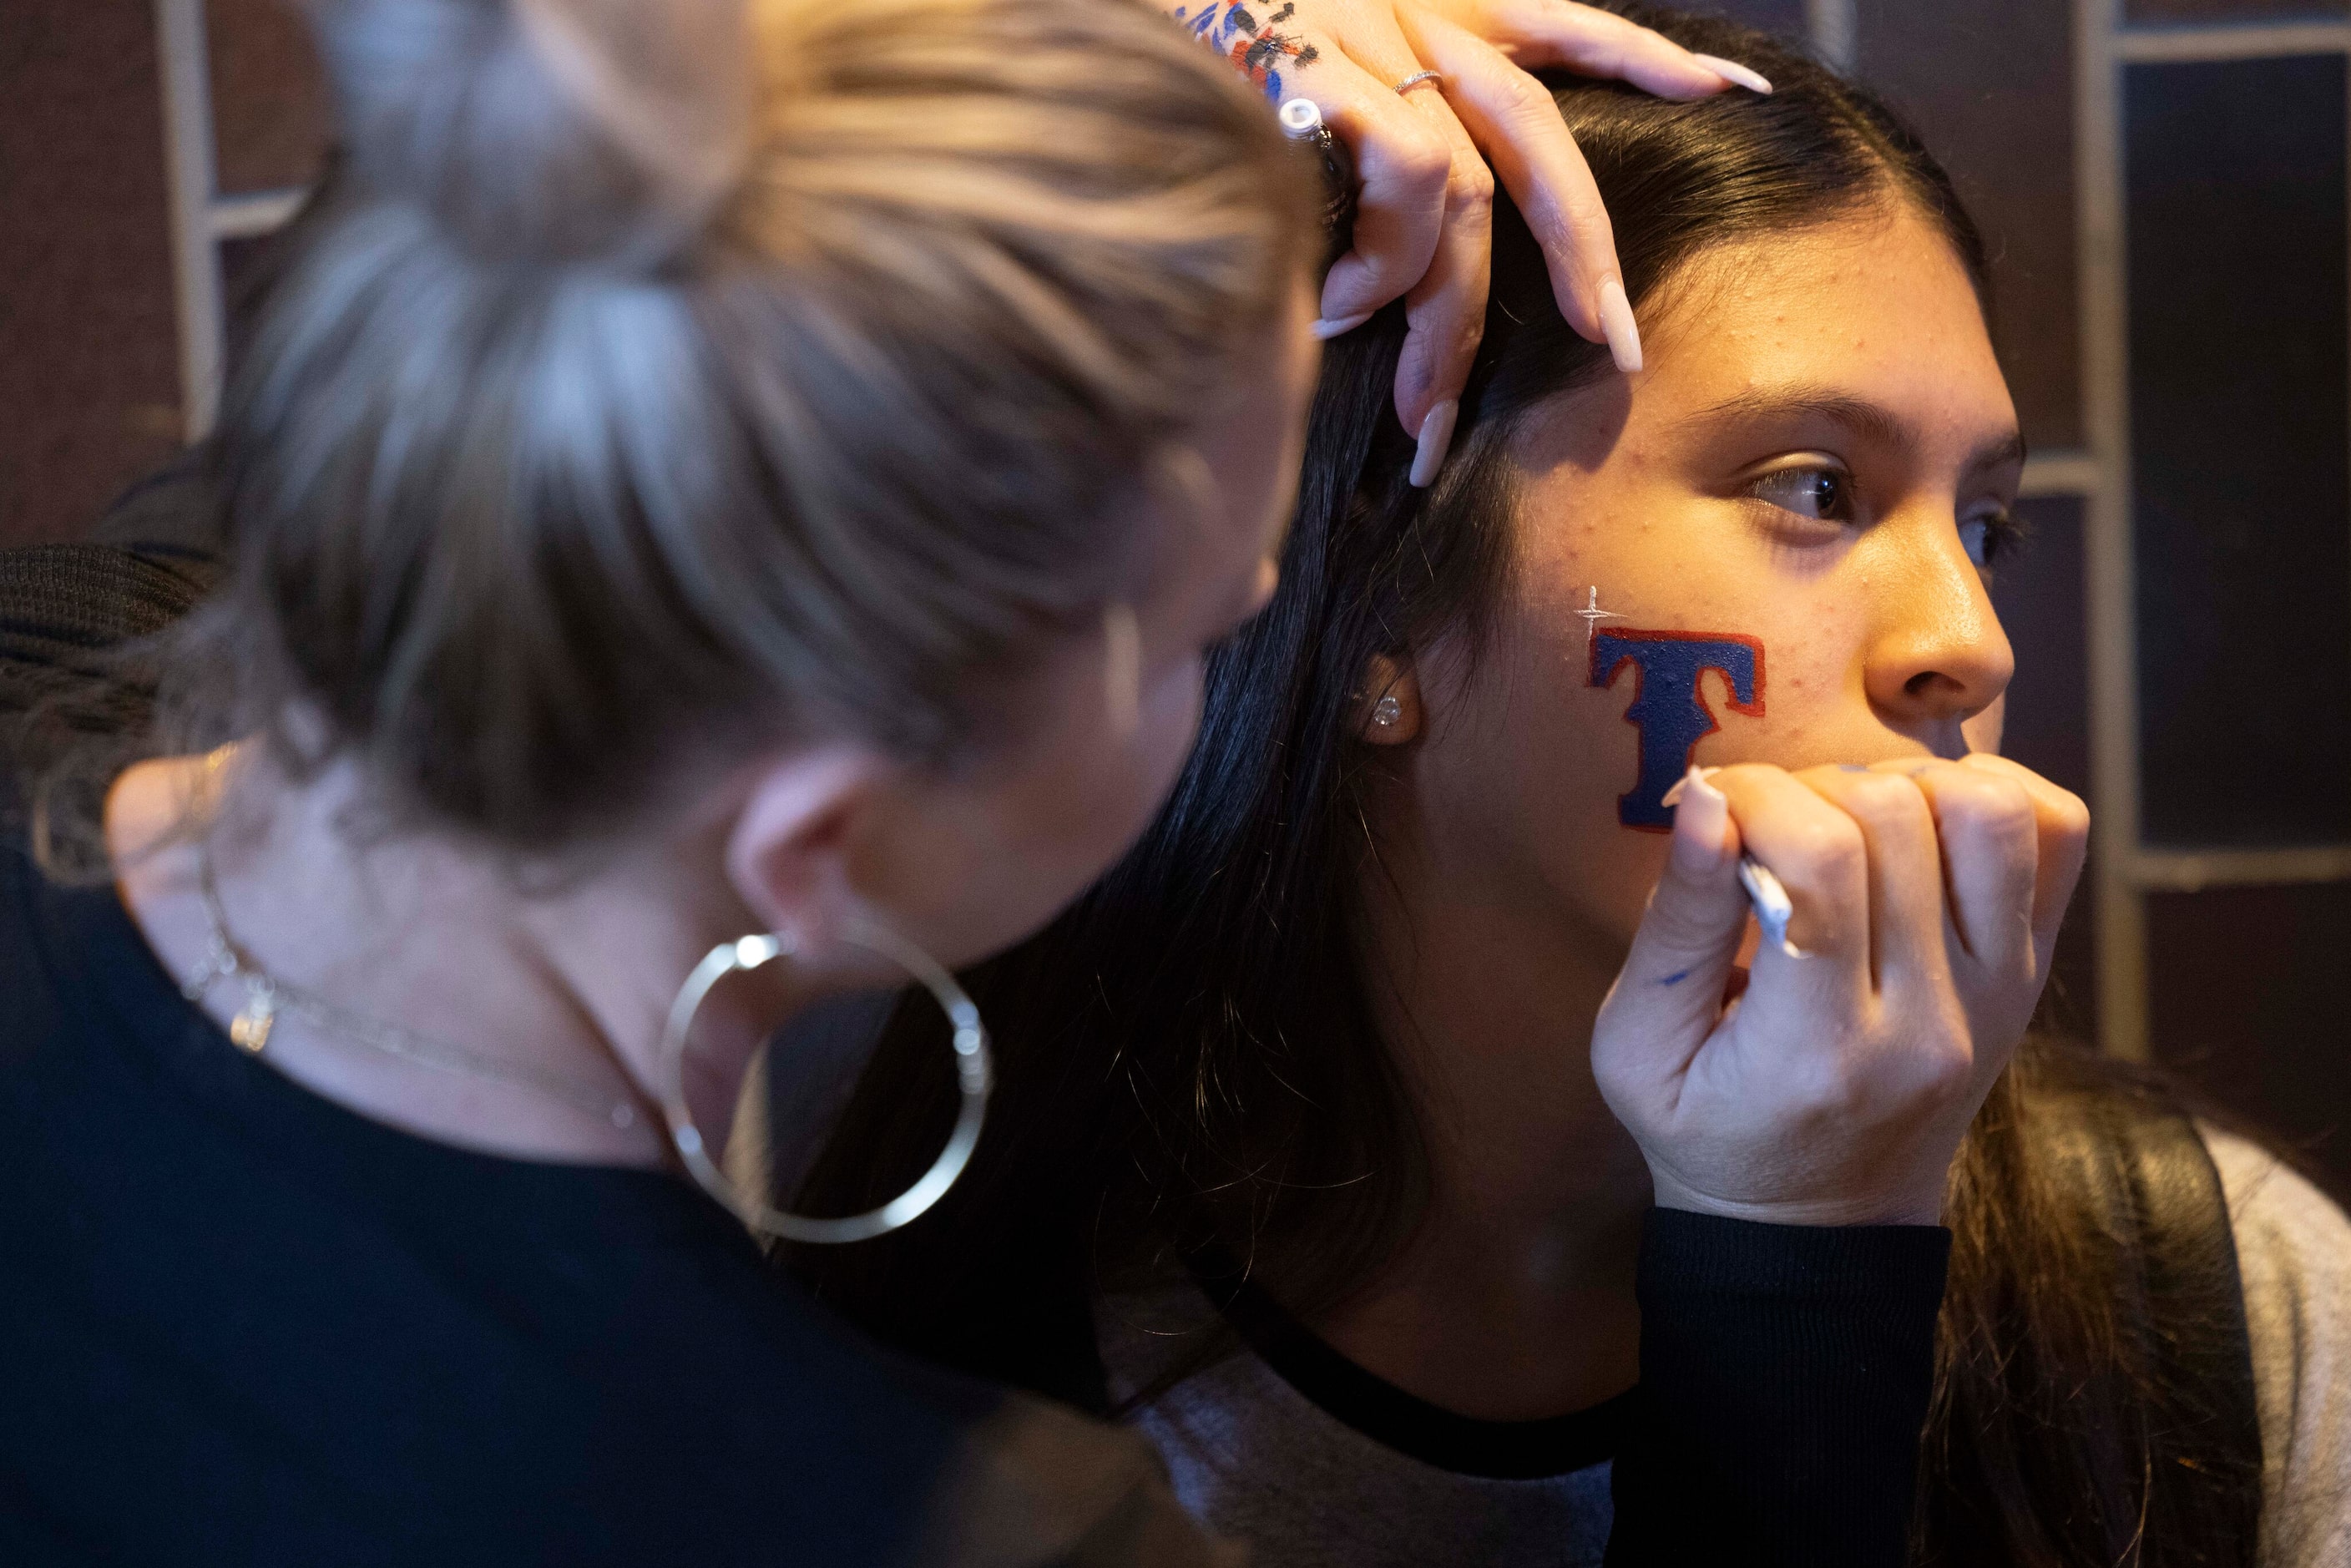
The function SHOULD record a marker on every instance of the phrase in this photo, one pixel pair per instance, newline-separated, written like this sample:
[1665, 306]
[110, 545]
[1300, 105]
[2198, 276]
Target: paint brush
[1765, 892]
[1772, 908]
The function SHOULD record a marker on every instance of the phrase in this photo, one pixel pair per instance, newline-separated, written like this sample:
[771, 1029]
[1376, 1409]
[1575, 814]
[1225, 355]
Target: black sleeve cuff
[1785, 1371]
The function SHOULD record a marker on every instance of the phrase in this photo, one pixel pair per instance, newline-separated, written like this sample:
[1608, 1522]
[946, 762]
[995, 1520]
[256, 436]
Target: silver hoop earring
[975, 1073]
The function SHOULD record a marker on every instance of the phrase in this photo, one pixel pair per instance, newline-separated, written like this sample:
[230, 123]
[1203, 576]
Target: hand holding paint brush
[1913, 907]
[1766, 891]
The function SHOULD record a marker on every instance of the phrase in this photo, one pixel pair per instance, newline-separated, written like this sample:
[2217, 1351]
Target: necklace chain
[267, 998]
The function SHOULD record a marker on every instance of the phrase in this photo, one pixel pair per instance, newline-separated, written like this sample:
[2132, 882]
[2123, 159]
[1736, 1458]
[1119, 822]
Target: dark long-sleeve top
[241, 1324]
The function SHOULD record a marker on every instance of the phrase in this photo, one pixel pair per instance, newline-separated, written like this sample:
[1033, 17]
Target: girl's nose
[1937, 654]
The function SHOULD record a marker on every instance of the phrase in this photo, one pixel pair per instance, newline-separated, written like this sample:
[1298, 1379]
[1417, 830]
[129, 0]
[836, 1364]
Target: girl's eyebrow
[1870, 422]
[2008, 449]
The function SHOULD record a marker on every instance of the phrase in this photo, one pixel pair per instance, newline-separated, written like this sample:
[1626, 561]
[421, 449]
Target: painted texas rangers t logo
[1668, 709]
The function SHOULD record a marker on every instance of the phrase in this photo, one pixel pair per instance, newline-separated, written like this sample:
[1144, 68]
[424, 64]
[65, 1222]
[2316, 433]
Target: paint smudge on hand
[1258, 50]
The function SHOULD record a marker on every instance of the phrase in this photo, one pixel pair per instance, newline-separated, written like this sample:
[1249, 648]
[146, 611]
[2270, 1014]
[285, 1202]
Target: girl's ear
[1390, 714]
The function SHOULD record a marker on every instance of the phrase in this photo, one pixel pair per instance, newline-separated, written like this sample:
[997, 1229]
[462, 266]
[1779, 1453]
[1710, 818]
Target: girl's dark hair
[1188, 1057]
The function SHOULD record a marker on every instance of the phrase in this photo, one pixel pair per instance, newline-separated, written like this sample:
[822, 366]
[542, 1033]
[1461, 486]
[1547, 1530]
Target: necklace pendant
[249, 1030]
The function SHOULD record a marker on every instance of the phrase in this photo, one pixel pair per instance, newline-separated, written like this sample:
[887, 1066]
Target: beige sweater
[2293, 1250]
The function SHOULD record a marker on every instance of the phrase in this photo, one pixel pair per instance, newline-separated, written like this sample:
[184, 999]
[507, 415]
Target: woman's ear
[1390, 714]
[791, 852]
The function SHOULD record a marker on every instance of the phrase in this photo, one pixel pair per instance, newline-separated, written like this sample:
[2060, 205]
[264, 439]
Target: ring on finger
[1416, 79]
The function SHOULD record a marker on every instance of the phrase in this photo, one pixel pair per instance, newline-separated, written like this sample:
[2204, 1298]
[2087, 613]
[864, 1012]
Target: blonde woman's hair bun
[656, 380]
[547, 129]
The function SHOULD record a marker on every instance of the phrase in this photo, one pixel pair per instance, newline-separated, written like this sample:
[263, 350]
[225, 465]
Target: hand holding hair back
[1836, 1089]
[1424, 216]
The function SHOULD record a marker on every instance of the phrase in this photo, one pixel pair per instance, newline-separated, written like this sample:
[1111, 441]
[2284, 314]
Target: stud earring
[1388, 711]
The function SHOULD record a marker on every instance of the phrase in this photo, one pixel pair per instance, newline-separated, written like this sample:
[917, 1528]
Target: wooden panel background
[269, 101]
[90, 380]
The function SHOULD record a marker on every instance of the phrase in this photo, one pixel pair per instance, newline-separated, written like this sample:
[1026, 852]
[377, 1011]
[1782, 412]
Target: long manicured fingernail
[1435, 439]
[1616, 324]
[1326, 327]
[1732, 71]
[1673, 797]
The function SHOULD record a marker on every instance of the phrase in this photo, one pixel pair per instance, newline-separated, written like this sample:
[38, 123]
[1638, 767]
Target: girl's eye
[1991, 536]
[1823, 493]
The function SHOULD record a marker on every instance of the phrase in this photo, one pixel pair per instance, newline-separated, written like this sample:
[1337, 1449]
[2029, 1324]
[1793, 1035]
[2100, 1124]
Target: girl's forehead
[1872, 313]
[1864, 333]
[1876, 288]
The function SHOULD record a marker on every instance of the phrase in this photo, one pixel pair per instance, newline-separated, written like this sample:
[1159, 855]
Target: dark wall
[89, 352]
[270, 103]
[89, 378]
[1988, 84]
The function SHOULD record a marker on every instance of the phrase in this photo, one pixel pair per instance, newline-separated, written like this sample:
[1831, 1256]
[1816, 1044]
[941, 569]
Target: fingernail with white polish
[1326, 327]
[1673, 797]
[1732, 71]
[1616, 324]
[1436, 437]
